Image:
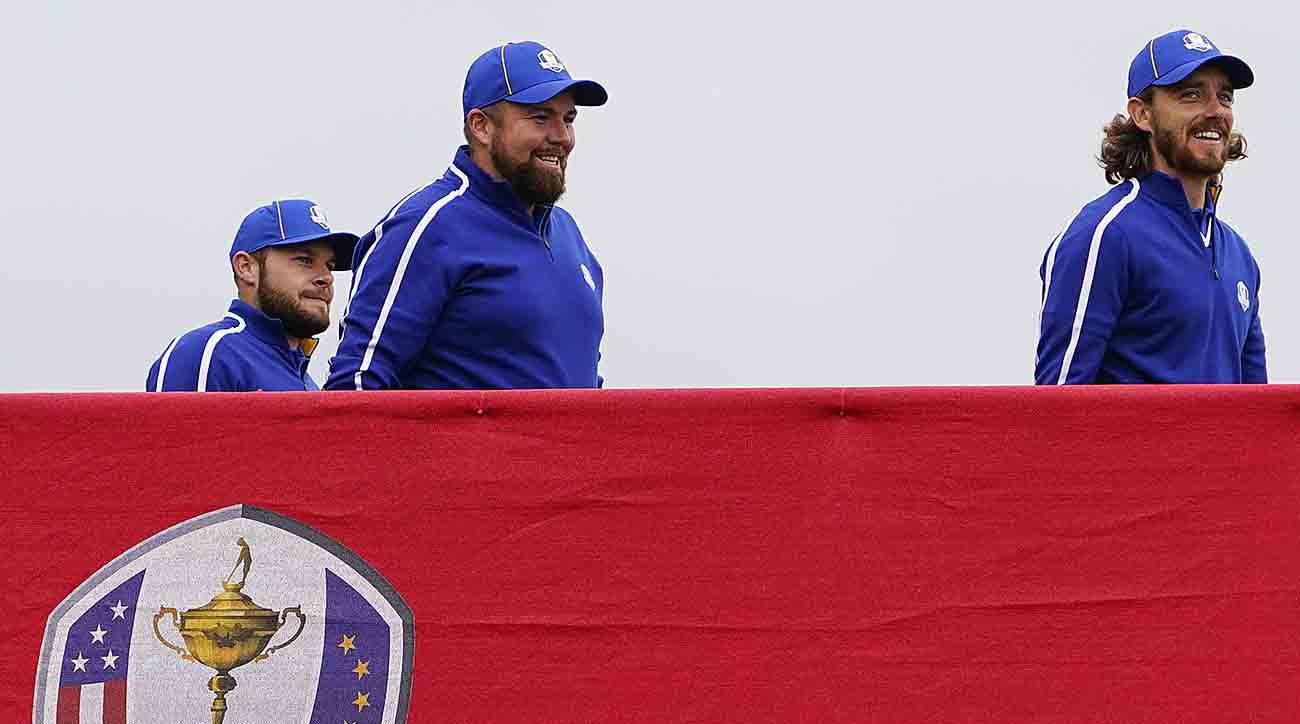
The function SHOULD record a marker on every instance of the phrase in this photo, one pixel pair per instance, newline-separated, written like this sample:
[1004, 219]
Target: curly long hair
[1126, 149]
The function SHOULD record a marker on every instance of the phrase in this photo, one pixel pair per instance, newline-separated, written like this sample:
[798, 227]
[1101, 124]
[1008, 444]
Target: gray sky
[806, 194]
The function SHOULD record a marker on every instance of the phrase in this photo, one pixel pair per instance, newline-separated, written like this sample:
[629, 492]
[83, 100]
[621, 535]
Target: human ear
[1140, 112]
[245, 267]
[481, 126]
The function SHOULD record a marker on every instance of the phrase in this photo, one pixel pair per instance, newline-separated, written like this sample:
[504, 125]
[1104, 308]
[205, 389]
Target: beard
[531, 184]
[298, 320]
[1179, 155]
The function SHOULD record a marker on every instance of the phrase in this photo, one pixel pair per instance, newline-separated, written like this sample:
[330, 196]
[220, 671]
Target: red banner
[904, 555]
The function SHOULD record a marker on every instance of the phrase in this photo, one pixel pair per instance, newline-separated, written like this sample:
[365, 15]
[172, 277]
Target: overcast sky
[797, 194]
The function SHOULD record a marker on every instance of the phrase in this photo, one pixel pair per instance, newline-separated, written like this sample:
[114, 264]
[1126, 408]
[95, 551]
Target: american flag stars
[97, 657]
[101, 638]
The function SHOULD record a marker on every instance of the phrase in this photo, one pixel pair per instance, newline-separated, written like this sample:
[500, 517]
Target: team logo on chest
[1243, 296]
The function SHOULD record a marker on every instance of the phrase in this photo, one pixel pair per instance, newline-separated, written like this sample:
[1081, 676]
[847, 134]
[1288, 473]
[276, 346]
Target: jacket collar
[1169, 191]
[497, 193]
[268, 329]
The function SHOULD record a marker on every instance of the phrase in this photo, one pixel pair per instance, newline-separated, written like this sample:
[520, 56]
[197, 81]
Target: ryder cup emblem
[1193, 41]
[1243, 296]
[549, 61]
[318, 215]
[300, 630]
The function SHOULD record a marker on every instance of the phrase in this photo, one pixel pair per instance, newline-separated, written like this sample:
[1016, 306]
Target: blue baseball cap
[292, 221]
[526, 72]
[1168, 59]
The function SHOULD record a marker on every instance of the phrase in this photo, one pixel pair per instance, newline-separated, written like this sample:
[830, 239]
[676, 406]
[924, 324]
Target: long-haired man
[1147, 283]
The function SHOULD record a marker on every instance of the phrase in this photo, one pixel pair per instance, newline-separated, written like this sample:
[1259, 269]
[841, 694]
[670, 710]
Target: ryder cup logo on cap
[1170, 58]
[527, 73]
[292, 221]
[1193, 41]
[318, 215]
[549, 61]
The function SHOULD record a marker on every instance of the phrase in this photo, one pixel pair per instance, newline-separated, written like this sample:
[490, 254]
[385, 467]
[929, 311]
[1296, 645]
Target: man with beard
[477, 280]
[283, 257]
[1147, 283]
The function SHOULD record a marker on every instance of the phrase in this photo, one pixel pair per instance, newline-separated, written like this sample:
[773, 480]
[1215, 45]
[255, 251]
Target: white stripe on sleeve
[162, 366]
[212, 345]
[1051, 258]
[401, 270]
[1047, 278]
[1086, 289]
[379, 234]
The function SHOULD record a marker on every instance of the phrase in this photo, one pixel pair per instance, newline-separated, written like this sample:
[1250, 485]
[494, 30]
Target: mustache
[1219, 126]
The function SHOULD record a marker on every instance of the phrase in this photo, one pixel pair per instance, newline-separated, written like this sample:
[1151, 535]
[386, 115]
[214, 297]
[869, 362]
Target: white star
[110, 661]
[98, 634]
[79, 663]
[119, 611]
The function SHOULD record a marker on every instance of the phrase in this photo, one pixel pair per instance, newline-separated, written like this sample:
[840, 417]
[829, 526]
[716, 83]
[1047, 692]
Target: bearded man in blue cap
[284, 257]
[1147, 283]
[478, 280]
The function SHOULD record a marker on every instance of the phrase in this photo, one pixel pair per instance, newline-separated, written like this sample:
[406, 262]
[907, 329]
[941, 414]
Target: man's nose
[560, 133]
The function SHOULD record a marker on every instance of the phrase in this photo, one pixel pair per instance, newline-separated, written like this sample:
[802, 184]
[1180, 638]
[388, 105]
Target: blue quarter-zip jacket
[244, 351]
[1140, 287]
[459, 287]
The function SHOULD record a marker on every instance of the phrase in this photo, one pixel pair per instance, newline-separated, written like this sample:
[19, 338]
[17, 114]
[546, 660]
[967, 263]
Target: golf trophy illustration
[228, 632]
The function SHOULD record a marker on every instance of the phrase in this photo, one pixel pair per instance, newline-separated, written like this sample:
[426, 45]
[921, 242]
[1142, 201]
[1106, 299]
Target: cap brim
[1238, 72]
[343, 243]
[585, 92]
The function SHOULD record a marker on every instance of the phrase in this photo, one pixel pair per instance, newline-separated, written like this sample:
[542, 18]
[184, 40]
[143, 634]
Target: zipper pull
[1214, 259]
[541, 231]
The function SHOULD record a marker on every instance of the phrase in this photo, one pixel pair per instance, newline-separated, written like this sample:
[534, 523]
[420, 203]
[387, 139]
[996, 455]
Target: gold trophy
[228, 632]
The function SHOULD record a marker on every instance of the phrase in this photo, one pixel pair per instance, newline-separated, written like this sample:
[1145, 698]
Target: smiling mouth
[1208, 136]
[550, 159]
